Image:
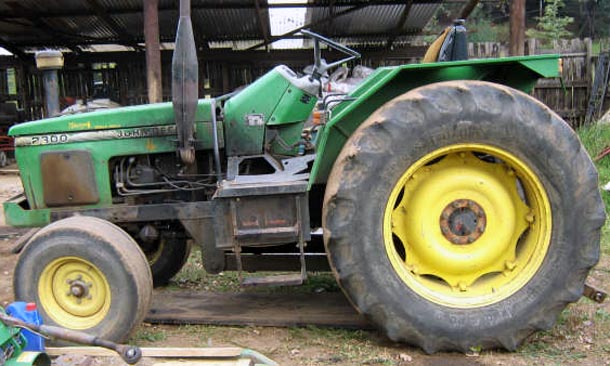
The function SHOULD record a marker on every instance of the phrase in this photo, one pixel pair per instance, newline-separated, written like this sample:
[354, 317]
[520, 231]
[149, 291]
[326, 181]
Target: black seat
[451, 45]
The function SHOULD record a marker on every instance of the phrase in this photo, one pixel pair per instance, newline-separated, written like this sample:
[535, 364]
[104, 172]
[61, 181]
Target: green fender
[389, 82]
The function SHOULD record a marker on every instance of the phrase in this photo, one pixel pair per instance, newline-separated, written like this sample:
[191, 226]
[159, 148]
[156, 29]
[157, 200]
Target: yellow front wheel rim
[467, 225]
[74, 293]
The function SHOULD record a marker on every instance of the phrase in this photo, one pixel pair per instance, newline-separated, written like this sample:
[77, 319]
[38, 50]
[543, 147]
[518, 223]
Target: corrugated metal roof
[36, 23]
[228, 24]
[377, 20]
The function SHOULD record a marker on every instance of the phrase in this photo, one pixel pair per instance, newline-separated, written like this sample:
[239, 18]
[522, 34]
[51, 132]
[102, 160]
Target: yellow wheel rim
[74, 293]
[467, 225]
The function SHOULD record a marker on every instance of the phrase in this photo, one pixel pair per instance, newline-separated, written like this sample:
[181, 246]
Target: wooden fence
[222, 71]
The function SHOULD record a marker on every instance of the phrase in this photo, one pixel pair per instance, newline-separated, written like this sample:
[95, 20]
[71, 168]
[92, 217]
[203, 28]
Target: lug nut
[77, 291]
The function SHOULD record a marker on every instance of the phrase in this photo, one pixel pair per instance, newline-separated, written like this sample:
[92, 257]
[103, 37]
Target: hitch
[594, 294]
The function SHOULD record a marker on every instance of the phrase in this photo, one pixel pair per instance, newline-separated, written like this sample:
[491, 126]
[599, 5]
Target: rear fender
[387, 83]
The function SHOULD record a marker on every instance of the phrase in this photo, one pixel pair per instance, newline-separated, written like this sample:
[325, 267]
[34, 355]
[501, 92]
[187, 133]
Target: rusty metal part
[129, 354]
[68, 178]
[260, 215]
[286, 279]
[602, 153]
[144, 213]
[463, 221]
[594, 294]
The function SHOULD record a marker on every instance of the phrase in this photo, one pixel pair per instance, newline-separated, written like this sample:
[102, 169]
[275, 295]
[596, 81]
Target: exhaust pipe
[49, 62]
[185, 82]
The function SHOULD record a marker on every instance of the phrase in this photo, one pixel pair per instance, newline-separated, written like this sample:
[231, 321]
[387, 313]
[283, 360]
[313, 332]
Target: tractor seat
[451, 45]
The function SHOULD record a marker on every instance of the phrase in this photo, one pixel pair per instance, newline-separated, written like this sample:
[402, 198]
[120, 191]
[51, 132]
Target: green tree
[552, 26]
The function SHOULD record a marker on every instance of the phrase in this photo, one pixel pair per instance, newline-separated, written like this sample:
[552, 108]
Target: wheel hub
[74, 292]
[463, 221]
[79, 288]
[467, 225]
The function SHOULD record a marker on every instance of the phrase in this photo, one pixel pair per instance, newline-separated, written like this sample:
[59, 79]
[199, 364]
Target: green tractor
[456, 211]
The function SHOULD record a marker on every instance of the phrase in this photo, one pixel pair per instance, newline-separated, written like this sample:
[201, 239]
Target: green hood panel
[126, 117]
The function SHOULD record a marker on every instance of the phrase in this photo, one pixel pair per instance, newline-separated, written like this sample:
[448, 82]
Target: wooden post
[226, 87]
[153, 51]
[588, 69]
[517, 27]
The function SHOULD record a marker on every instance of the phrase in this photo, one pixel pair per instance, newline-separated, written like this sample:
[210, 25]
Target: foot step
[276, 280]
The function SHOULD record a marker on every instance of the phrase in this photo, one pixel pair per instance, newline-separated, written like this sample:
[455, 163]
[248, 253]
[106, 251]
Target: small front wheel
[86, 274]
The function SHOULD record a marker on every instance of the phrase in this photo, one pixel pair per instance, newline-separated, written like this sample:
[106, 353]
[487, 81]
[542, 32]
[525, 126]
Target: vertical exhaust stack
[185, 81]
[49, 62]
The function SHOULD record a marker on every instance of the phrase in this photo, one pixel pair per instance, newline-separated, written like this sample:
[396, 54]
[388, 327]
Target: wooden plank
[159, 352]
[255, 309]
[240, 362]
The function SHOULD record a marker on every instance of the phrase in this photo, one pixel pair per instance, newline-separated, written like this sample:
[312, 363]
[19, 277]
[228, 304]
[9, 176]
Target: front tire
[85, 274]
[480, 223]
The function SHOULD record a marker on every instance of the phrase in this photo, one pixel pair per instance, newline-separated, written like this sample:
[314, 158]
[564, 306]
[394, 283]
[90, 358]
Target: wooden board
[255, 309]
[159, 352]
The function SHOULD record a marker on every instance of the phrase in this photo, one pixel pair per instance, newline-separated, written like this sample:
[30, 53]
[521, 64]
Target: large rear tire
[85, 274]
[462, 214]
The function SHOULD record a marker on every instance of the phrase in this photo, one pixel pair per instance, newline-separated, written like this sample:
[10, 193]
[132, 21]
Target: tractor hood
[126, 117]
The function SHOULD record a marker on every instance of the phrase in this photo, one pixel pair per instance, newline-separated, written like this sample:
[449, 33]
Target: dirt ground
[581, 336]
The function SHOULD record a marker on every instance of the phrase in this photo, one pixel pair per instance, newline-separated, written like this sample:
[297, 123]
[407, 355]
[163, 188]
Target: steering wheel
[320, 66]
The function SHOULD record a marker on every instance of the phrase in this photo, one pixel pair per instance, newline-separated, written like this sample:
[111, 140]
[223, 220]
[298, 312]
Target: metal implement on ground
[455, 210]
[129, 354]
[12, 345]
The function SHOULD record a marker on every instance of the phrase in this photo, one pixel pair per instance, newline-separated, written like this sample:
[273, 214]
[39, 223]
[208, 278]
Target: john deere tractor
[456, 211]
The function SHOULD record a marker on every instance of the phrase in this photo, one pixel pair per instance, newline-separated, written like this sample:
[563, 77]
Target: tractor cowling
[185, 81]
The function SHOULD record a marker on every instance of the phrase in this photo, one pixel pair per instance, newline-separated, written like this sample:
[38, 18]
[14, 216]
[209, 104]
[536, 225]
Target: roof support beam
[263, 20]
[153, 51]
[60, 39]
[214, 5]
[122, 33]
[37, 23]
[468, 8]
[13, 49]
[254, 37]
[309, 25]
[400, 24]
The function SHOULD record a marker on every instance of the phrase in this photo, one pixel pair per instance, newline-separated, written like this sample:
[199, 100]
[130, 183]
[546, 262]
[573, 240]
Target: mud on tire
[453, 120]
[85, 274]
